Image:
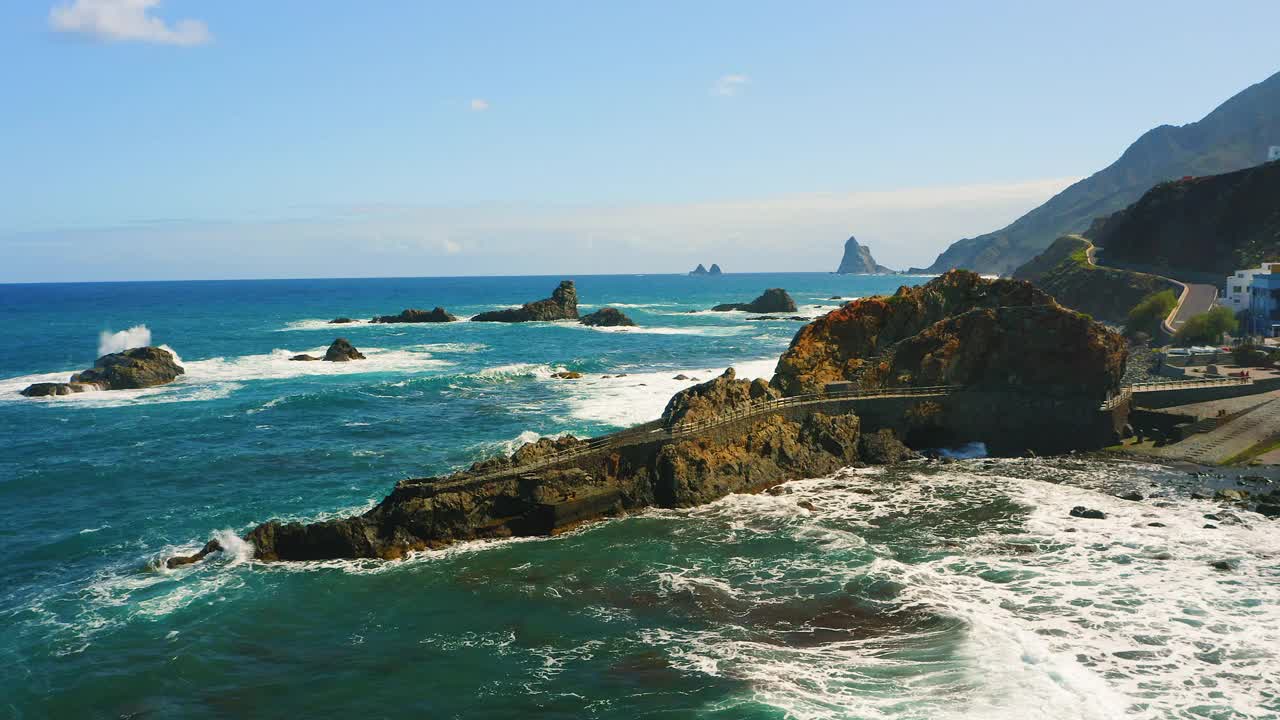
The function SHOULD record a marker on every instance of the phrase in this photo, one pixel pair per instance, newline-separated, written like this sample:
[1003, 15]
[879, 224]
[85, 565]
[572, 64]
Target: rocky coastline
[995, 345]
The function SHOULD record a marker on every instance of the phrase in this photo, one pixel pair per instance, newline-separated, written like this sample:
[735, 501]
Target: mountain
[857, 260]
[1234, 136]
[1065, 272]
[1213, 225]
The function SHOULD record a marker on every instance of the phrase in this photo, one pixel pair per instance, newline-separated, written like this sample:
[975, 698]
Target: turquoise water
[947, 591]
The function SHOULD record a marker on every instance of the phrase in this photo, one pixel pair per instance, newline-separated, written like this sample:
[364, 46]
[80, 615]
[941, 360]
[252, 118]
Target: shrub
[1146, 316]
[1207, 328]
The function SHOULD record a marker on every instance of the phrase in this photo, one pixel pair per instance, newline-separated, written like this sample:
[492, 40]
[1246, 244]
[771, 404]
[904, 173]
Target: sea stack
[562, 305]
[700, 270]
[857, 260]
[340, 351]
[413, 315]
[715, 269]
[607, 317]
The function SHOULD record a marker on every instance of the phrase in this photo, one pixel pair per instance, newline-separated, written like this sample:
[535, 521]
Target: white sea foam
[319, 324]
[218, 377]
[1059, 617]
[705, 330]
[136, 336]
[640, 397]
[450, 347]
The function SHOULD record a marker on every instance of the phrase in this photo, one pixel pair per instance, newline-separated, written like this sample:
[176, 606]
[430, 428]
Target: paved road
[1199, 299]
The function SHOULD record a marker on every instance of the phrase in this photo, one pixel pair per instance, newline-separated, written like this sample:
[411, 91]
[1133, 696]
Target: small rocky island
[700, 270]
[959, 359]
[857, 260]
[773, 300]
[413, 315]
[339, 351]
[562, 305]
[132, 369]
[607, 317]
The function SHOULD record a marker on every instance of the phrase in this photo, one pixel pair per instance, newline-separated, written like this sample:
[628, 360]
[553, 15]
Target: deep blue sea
[957, 591]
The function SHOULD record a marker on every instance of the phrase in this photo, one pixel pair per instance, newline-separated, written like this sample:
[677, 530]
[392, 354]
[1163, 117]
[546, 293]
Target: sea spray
[114, 342]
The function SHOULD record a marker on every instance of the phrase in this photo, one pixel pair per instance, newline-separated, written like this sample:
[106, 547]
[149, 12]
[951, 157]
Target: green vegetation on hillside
[1207, 328]
[1064, 271]
[1146, 316]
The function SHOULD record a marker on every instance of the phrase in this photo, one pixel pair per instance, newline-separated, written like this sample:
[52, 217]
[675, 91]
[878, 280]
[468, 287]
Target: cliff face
[857, 260]
[1236, 135]
[1064, 271]
[843, 344]
[1215, 224]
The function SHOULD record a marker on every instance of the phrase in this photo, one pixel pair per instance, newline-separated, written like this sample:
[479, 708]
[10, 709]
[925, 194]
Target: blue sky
[143, 139]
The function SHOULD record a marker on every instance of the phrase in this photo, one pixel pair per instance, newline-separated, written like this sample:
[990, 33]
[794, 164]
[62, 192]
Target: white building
[1273, 153]
[1237, 294]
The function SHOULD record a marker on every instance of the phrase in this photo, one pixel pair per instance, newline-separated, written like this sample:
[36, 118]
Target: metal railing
[656, 430]
[1181, 384]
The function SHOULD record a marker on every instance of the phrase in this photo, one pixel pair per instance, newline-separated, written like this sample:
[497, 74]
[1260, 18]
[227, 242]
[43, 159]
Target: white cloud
[479, 105]
[730, 85]
[126, 20]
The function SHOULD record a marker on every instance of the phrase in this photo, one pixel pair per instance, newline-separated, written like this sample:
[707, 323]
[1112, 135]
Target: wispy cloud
[126, 20]
[906, 226]
[730, 85]
[479, 105]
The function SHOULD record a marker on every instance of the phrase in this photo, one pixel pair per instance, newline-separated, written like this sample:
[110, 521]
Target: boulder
[607, 317]
[884, 448]
[773, 300]
[1081, 511]
[342, 351]
[412, 315]
[562, 305]
[341, 321]
[566, 375]
[132, 369]
[305, 358]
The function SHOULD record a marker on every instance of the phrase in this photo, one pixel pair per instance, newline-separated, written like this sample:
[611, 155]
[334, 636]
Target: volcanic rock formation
[607, 317]
[132, 369]
[562, 305]
[413, 315]
[339, 351]
[857, 260]
[773, 300]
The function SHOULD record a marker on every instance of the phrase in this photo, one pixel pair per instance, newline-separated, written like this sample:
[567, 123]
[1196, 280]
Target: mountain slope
[1213, 225]
[1234, 136]
[1064, 271]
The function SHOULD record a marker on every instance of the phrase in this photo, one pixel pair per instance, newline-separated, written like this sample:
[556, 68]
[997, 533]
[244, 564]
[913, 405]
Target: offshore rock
[412, 315]
[843, 344]
[132, 369]
[562, 305]
[607, 317]
[700, 270]
[857, 260]
[773, 300]
[342, 351]
[715, 270]
[341, 321]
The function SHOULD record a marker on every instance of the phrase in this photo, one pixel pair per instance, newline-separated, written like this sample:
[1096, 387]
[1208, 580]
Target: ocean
[928, 590]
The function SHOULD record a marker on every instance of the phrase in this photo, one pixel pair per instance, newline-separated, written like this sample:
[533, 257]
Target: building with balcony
[1264, 303]
[1236, 294]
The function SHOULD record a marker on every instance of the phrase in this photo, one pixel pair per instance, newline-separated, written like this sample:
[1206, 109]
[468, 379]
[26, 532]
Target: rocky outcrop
[721, 394]
[413, 315]
[132, 369]
[773, 300]
[607, 317]
[1045, 349]
[1065, 272]
[339, 351]
[844, 343]
[700, 270]
[857, 260]
[562, 305]
[715, 270]
[341, 321]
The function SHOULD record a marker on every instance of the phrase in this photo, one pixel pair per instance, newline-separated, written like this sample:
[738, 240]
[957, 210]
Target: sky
[200, 139]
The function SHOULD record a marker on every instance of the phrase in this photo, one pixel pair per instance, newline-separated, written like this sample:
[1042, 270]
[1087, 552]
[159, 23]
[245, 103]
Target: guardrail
[656, 430]
[1182, 384]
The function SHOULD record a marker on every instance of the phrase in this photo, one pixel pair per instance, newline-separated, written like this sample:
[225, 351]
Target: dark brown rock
[562, 305]
[342, 351]
[607, 317]
[132, 369]
[413, 315]
[773, 300]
